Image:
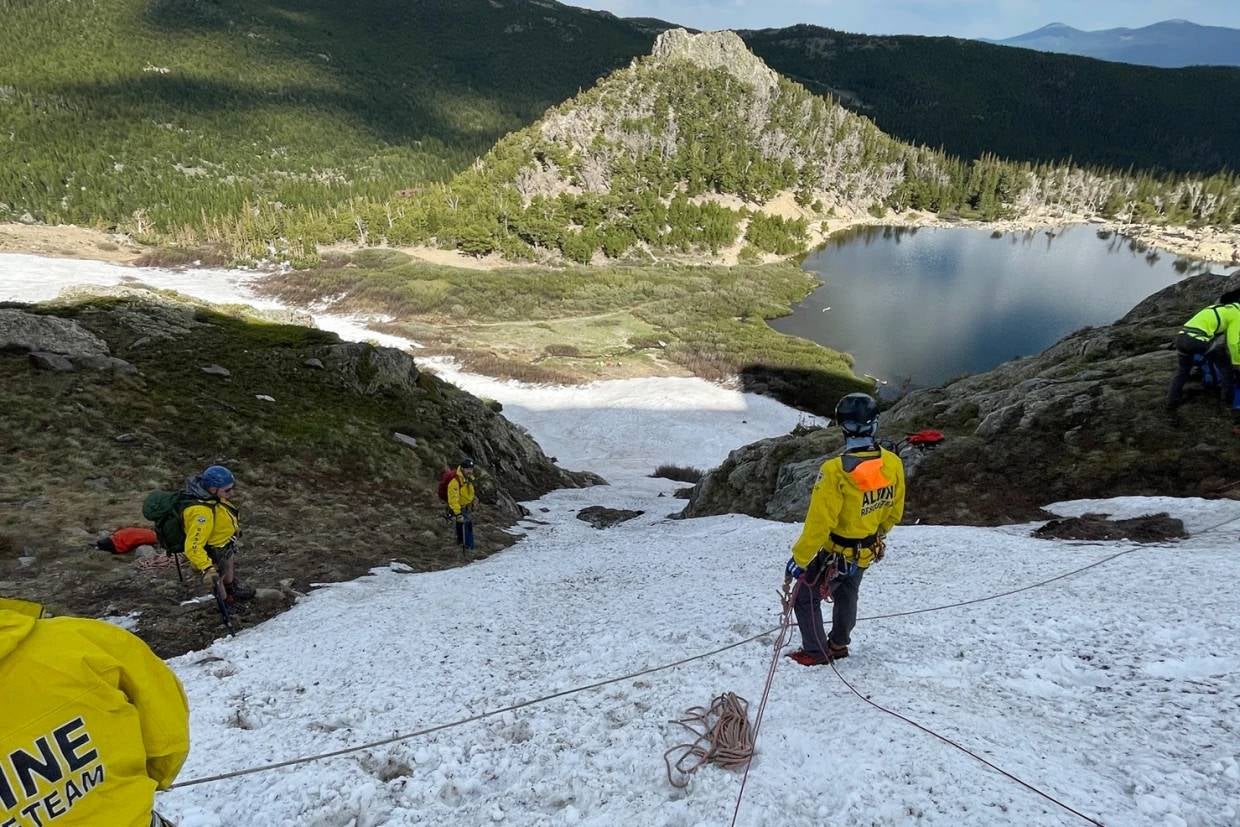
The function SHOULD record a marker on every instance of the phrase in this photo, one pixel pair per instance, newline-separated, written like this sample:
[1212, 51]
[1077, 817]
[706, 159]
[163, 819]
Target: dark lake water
[923, 306]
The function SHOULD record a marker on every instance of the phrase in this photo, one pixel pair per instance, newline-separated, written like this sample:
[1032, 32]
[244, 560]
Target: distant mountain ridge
[1168, 44]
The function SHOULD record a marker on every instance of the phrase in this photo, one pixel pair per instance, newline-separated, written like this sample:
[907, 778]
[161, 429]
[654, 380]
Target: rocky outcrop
[770, 478]
[716, 50]
[328, 492]
[20, 330]
[57, 345]
[1083, 419]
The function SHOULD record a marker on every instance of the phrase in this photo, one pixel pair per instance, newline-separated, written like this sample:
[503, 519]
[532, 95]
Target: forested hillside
[163, 113]
[971, 98]
[701, 146]
[270, 127]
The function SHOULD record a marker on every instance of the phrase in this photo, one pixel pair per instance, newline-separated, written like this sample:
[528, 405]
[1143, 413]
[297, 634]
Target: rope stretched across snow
[649, 671]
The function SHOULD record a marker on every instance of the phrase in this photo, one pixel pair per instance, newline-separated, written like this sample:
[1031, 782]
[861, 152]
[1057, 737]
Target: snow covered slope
[1114, 690]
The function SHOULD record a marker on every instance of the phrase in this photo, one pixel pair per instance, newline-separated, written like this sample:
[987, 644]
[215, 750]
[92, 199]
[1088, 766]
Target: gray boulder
[601, 517]
[53, 362]
[20, 330]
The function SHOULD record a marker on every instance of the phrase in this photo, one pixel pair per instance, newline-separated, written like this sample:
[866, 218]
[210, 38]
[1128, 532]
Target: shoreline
[1206, 244]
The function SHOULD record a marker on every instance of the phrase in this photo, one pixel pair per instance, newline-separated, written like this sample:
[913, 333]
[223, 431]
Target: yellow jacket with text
[93, 722]
[858, 495]
[211, 524]
[460, 492]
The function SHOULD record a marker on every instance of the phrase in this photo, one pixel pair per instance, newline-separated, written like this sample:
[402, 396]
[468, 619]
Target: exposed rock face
[1083, 419]
[34, 332]
[717, 50]
[771, 478]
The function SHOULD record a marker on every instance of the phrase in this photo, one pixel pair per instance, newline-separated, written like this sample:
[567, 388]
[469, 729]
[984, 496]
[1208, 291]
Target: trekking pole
[180, 575]
[221, 603]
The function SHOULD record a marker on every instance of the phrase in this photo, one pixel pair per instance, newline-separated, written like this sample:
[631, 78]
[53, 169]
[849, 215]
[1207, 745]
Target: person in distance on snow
[460, 494]
[857, 499]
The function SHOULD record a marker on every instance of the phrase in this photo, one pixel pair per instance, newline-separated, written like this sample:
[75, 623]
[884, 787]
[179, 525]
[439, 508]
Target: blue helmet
[217, 476]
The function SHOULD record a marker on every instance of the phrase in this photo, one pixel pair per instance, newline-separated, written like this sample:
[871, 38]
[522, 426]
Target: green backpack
[163, 508]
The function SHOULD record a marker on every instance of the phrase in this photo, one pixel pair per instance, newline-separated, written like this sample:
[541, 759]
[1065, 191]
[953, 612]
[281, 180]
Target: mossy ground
[325, 492]
[581, 323]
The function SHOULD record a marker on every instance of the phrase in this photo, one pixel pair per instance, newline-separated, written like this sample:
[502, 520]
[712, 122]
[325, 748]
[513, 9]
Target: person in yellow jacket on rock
[857, 499]
[461, 503]
[212, 526]
[1195, 341]
[93, 723]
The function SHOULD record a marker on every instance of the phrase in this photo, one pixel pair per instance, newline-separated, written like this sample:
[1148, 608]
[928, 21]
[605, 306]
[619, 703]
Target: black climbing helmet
[857, 414]
[467, 463]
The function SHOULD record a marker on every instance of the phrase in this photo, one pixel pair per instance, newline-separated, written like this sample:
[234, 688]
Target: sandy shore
[1218, 247]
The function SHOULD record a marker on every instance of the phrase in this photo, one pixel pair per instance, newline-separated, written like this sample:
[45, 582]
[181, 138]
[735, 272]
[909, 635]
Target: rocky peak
[715, 50]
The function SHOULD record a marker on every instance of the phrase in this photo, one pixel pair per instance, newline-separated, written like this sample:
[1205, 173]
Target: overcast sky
[963, 18]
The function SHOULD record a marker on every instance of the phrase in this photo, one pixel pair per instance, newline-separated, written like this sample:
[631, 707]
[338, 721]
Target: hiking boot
[806, 659]
[836, 652]
[236, 591]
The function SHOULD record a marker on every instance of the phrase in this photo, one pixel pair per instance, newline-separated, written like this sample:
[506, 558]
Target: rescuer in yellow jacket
[1195, 342]
[211, 527]
[461, 503]
[93, 722]
[858, 498]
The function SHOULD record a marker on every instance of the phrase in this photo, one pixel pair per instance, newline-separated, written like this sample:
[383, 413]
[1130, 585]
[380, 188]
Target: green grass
[711, 320]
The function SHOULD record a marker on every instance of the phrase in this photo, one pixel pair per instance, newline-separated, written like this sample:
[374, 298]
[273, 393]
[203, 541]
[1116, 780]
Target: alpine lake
[918, 307]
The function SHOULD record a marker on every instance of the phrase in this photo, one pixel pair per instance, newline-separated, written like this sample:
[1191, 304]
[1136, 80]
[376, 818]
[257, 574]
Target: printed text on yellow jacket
[857, 495]
[93, 723]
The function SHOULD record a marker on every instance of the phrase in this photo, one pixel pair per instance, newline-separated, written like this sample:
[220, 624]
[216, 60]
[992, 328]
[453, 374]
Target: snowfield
[1116, 690]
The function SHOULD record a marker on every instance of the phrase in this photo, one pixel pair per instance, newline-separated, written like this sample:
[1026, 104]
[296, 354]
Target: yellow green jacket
[1215, 320]
[1233, 343]
[207, 524]
[460, 492]
[93, 722]
[858, 494]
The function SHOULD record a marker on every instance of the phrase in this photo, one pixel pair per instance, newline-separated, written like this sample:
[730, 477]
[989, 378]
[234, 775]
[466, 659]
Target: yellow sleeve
[824, 512]
[198, 521]
[454, 495]
[1233, 343]
[155, 691]
[896, 512]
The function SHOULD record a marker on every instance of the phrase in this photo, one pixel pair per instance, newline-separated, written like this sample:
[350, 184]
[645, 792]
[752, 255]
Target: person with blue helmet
[212, 526]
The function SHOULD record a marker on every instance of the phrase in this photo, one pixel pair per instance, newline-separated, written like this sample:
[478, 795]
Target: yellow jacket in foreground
[858, 495]
[460, 492]
[207, 524]
[93, 722]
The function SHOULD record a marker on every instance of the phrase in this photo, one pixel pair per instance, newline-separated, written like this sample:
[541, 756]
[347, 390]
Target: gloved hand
[460, 518]
[209, 576]
[792, 571]
[880, 549]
